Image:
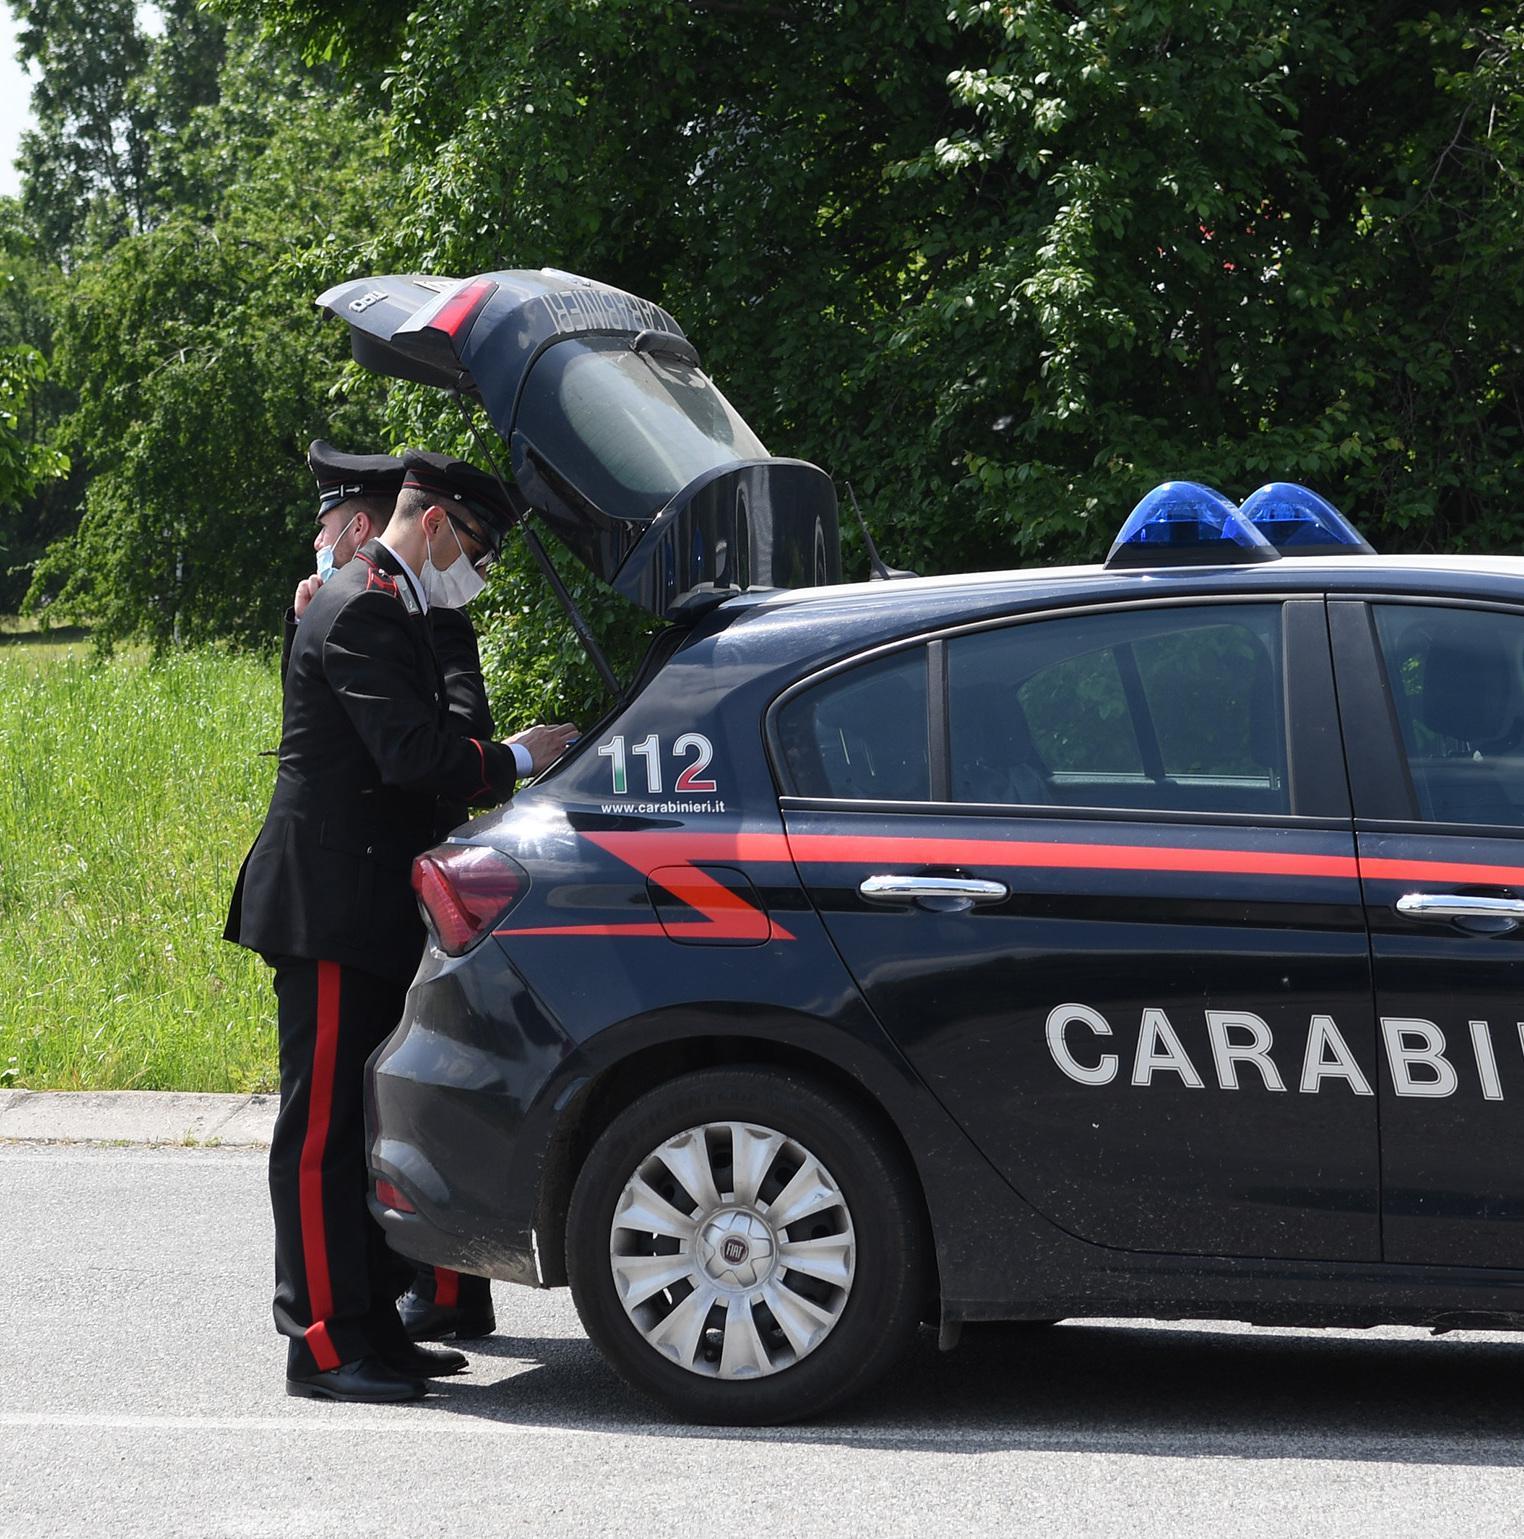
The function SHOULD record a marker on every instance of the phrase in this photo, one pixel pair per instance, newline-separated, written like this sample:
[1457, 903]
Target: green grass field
[130, 793]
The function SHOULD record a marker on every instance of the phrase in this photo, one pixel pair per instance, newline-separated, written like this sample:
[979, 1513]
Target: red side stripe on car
[1383, 870]
[853, 849]
[723, 910]
[647, 851]
[325, 1052]
[726, 914]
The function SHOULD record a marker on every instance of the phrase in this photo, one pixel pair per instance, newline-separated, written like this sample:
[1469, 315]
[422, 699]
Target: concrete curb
[137, 1117]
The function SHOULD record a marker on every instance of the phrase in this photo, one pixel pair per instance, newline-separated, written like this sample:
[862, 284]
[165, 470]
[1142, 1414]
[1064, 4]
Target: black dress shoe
[417, 1362]
[423, 1320]
[369, 1380]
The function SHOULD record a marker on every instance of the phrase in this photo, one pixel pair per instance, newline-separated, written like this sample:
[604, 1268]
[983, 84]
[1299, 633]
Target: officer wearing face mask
[368, 753]
[356, 495]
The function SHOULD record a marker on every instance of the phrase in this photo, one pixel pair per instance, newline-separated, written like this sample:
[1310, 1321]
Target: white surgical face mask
[455, 585]
[325, 561]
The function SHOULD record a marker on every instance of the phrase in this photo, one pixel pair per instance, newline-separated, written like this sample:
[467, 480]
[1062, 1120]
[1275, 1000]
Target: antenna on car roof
[880, 572]
[521, 507]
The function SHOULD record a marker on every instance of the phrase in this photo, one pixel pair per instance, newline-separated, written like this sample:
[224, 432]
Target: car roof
[1439, 574]
[847, 617]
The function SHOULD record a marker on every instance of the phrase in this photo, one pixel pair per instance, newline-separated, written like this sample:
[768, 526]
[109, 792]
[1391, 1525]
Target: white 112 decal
[690, 781]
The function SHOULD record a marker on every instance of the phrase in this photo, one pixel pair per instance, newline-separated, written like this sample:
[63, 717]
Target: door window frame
[1315, 760]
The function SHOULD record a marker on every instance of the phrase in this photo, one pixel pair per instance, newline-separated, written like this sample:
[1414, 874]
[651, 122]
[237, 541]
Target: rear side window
[861, 734]
[1457, 683]
[1158, 710]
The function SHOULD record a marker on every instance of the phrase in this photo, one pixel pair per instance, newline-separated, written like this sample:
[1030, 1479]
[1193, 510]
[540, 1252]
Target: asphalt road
[141, 1394]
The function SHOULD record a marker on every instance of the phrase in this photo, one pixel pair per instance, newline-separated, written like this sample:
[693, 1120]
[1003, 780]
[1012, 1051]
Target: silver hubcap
[732, 1250]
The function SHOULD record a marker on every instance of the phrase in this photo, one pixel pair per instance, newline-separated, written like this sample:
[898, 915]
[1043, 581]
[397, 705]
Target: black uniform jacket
[465, 689]
[455, 642]
[368, 756]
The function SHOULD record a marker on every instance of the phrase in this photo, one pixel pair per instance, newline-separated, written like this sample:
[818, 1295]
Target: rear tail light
[390, 1197]
[464, 889]
[454, 316]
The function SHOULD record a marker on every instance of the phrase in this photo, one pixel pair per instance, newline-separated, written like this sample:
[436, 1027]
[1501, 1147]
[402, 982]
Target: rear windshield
[629, 430]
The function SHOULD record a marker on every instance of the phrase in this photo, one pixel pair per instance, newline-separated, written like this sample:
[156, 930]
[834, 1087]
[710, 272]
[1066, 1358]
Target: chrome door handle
[944, 894]
[1444, 906]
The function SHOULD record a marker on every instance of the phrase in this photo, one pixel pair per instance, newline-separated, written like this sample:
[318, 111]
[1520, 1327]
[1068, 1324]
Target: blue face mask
[325, 562]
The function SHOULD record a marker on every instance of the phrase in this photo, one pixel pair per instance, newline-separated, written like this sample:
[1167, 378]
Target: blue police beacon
[1298, 522]
[1183, 523]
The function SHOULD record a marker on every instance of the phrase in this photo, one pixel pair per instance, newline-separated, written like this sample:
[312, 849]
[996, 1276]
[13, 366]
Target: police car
[1130, 940]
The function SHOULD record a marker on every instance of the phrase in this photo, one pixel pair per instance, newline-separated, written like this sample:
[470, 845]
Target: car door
[1095, 873]
[1432, 697]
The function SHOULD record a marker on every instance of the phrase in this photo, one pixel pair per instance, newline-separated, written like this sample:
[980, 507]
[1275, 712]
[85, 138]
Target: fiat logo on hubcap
[734, 1250]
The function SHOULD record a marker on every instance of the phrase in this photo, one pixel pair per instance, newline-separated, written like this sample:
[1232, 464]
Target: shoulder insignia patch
[385, 582]
[376, 578]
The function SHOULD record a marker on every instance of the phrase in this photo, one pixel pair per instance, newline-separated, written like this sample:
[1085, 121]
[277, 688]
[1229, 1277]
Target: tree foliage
[36, 494]
[1003, 264]
[24, 462]
[202, 371]
[109, 101]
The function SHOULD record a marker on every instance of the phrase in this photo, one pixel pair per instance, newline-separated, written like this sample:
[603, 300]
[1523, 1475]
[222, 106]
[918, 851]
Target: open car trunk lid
[617, 437]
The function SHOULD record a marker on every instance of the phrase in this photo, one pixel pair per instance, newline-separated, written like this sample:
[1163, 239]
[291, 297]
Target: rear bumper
[456, 1119]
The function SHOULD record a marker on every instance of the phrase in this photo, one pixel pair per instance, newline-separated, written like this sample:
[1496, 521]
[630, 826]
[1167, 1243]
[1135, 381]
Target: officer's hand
[304, 592]
[545, 744]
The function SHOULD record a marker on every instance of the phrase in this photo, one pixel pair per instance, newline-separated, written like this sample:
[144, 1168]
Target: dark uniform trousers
[368, 757]
[453, 1290]
[336, 1279]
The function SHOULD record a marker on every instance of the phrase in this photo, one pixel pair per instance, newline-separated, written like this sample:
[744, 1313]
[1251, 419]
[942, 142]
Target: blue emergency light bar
[1300, 523]
[1183, 523]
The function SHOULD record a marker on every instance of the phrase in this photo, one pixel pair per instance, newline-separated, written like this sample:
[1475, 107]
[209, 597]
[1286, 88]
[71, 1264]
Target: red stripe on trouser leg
[321, 1345]
[446, 1287]
[310, 1179]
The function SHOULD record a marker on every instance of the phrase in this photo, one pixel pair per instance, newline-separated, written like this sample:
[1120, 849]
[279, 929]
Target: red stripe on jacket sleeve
[481, 753]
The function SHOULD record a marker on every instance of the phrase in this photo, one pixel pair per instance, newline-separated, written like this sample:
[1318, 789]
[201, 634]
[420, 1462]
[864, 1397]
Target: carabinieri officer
[354, 499]
[367, 754]
[356, 494]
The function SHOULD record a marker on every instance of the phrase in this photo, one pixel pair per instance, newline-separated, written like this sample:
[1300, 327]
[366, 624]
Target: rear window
[629, 430]
[861, 735]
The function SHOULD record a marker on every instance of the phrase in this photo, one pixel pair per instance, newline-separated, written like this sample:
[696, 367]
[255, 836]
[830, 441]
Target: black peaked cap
[458, 481]
[340, 476]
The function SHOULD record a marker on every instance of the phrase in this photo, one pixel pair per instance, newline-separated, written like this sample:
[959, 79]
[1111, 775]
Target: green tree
[202, 371]
[109, 97]
[1231, 242]
[24, 462]
[727, 160]
[37, 498]
[1005, 265]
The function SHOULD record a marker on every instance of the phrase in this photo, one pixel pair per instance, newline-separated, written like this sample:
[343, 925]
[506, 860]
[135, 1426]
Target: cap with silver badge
[340, 476]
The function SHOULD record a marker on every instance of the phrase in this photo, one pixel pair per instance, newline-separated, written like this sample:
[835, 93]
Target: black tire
[882, 1304]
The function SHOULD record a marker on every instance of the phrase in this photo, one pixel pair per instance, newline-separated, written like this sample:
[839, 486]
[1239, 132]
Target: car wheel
[745, 1246]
